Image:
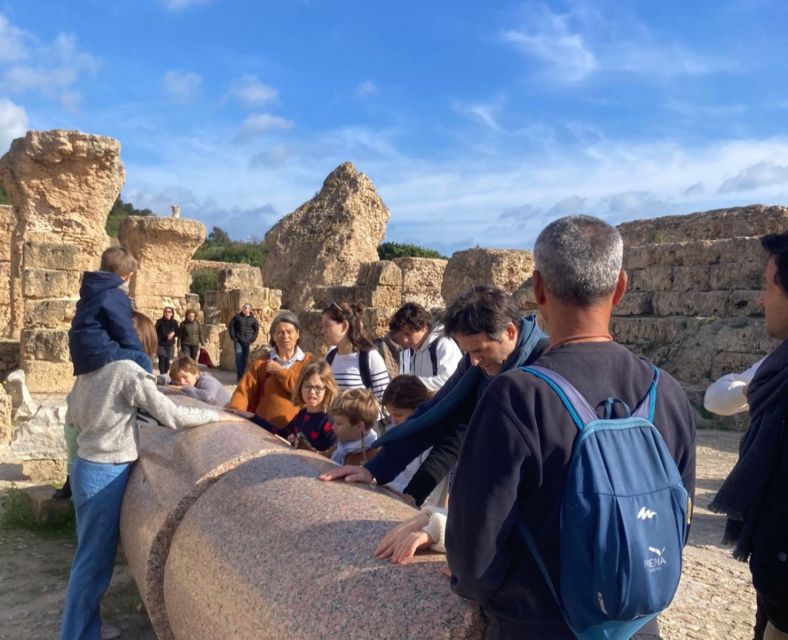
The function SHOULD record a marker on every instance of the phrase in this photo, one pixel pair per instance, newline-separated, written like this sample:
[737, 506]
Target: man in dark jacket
[243, 329]
[755, 494]
[486, 324]
[516, 453]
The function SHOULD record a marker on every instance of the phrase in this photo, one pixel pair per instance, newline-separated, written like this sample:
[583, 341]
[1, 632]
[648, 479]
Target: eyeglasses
[316, 388]
[334, 304]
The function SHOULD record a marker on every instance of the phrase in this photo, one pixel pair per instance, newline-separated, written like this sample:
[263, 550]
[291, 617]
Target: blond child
[315, 391]
[186, 374]
[354, 413]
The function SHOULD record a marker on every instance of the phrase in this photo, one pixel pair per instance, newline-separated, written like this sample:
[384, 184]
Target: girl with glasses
[314, 393]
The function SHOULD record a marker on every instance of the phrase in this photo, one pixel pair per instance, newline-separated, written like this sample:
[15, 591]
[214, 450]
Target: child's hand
[402, 542]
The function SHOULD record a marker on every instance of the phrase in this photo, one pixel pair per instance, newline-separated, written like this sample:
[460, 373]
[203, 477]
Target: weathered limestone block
[6, 420]
[640, 330]
[505, 268]
[49, 313]
[690, 279]
[24, 406]
[421, 281]
[312, 339]
[737, 275]
[696, 252]
[325, 241]
[242, 276]
[655, 278]
[260, 298]
[163, 248]
[729, 361]
[379, 284]
[45, 470]
[41, 437]
[46, 344]
[752, 220]
[5, 283]
[48, 283]
[62, 185]
[376, 320]
[635, 303]
[212, 313]
[52, 255]
[49, 377]
[719, 304]
[214, 337]
[7, 225]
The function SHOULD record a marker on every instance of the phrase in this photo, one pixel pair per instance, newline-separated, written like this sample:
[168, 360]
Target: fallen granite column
[228, 533]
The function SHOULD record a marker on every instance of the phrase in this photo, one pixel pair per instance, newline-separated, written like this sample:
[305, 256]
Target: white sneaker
[110, 631]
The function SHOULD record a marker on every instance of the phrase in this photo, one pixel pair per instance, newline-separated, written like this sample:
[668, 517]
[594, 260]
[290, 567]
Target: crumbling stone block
[49, 377]
[241, 276]
[6, 421]
[46, 344]
[48, 283]
[352, 221]
[421, 281]
[52, 255]
[49, 313]
[379, 284]
[505, 268]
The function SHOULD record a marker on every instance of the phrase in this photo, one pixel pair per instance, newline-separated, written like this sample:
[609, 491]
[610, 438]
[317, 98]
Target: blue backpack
[624, 518]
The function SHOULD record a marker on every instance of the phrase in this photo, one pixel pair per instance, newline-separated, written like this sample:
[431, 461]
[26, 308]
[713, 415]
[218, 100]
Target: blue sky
[477, 122]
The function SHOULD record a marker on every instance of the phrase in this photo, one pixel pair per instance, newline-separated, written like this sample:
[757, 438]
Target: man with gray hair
[519, 443]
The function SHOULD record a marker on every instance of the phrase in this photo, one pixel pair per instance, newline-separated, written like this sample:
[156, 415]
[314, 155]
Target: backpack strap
[434, 356]
[363, 369]
[647, 406]
[582, 413]
[330, 356]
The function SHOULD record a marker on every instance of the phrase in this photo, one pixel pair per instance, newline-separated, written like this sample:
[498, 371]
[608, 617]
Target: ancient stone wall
[691, 301]
[62, 185]
[7, 225]
[505, 268]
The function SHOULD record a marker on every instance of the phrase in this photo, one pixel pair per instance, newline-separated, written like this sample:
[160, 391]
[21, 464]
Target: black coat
[243, 329]
[163, 328]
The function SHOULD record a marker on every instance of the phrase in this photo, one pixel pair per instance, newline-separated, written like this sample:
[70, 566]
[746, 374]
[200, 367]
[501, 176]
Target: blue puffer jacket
[102, 329]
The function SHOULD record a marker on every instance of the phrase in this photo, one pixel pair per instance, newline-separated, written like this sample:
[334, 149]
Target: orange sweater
[269, 394]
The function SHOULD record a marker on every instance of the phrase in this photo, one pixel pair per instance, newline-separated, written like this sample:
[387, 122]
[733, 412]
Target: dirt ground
[715, 600]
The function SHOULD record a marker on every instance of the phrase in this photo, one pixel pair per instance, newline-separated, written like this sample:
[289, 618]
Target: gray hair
[579, 258]
[285, 316]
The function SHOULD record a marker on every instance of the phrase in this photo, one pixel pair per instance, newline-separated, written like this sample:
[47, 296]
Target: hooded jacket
[102, 324]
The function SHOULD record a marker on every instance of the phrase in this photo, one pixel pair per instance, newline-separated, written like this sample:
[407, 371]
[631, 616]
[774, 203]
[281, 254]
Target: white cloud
[181, 86]
[260, 123]
[486, 113]
[584, 42]
[250, 91]
[367, 88]
[762, 174]
[12, 41]
[180, 5]
[52, 69]
[547, 37]
[13, 123]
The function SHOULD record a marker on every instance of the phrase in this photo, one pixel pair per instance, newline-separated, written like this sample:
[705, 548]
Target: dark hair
[482, 309]
[344, 312]
[407, 392]
[410, 316]
[776, 245]
[166, 309]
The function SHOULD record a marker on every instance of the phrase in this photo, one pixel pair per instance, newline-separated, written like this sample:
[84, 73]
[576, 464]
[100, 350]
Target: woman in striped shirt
[355, 362]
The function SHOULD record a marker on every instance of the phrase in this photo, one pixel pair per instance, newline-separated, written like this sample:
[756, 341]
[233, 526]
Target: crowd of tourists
[554, 467]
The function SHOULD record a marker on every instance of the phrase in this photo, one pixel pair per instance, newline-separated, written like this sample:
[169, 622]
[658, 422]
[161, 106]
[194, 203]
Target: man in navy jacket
[517, 449]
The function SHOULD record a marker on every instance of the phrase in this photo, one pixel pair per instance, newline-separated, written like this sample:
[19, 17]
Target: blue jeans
[97, 493]
[241, 358]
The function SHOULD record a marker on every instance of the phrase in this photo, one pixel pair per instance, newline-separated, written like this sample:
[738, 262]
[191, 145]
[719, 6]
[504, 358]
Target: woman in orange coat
[266, 388]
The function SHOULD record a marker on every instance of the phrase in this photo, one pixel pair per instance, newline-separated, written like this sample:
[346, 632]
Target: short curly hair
[357, 405]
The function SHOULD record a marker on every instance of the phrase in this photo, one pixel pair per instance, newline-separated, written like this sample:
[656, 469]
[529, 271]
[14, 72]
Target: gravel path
[715, 599]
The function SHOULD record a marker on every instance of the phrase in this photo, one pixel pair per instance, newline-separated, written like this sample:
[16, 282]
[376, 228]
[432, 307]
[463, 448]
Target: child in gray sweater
[102, 408]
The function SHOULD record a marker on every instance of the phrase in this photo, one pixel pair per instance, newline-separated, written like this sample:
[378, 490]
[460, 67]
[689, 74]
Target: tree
[391, 250]
[119, 212]
[221, 248]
